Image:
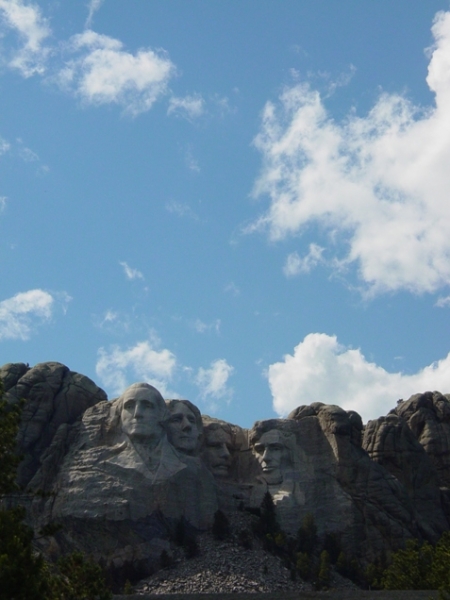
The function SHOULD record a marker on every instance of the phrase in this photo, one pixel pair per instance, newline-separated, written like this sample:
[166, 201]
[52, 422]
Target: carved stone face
[217, 452]
[182, 428]
[142, 410]
[272, 455]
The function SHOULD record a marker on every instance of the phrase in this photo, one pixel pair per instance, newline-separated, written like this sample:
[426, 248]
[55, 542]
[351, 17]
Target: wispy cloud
[443, 302]
[117, 368]
[232, 288]
[189, 107]
[130, 272]
[103, 72]
[93, 7]
[295, 264]
[191, 161]
[213, 383]
[21, 314]
[322, 370]
[202, 327]
[378, 184]
[32, 29]
[181, 209]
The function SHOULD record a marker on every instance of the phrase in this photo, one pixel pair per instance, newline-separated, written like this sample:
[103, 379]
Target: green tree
[307, 535]
[268, 519]
[410, 568]
[324, 570]
[24, 574]
[221, 525]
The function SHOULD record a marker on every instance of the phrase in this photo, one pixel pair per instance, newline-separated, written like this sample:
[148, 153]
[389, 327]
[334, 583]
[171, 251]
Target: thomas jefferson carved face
[217, 451]
[272, 455]
[143, 409]
[182, 428]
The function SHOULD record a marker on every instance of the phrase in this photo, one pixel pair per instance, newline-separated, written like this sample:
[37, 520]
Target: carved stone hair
[197, 414]
[117, 406]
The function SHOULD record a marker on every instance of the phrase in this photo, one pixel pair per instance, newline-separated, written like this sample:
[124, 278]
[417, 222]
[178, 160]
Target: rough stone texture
[428, 417]
[391, 443]
[55, 397]
[120, 475]
[348, 492]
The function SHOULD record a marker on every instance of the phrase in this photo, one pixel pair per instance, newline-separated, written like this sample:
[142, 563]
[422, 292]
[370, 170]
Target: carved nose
[186, 425]
[224, 452]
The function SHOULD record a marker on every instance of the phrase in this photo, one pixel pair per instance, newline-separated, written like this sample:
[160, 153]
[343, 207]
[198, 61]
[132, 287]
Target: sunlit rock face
[119, 475]
[55, 398]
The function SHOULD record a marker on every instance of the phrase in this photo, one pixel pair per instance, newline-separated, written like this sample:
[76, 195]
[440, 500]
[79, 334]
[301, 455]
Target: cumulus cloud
[296, 264]
[32, 29]
[117, 368]
[103, 72]
[322, 370]
[189, 107]
[23, 312]
[213, 383]
[377, 184]
[130, 272]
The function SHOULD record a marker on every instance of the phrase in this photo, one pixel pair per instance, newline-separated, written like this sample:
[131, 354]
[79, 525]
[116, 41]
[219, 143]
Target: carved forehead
[218, 435]
[271, 437]
[143, 391]
[185, 407]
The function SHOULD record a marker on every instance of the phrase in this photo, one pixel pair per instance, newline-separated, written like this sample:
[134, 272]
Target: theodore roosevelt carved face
[184, 426]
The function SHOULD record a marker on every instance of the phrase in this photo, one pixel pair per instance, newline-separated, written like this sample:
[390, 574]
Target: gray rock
[120, 475]
[54, 396]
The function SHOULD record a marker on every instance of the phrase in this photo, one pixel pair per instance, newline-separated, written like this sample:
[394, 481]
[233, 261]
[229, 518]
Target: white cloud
[190, 107]
[378, 184]
[295, 264]
[443, 302]
[21, 313]
[117, 368]
[213, 382]
[202, 327]
[191, 161]
[3, 200]
[232, 288]
[4, 146]
[181, 209]
[130, 272]
[93, 7]
[104, 73]
[321, 370]
[27, 21]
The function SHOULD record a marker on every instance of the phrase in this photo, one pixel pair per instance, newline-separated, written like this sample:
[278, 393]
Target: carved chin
[221, 470]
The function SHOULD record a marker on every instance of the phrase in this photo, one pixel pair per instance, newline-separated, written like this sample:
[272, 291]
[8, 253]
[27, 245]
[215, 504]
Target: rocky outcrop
[428, 417]
[121, 476]
[55, 398]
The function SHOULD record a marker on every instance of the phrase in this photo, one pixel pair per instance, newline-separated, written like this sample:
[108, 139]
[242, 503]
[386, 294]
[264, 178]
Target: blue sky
[243, 203]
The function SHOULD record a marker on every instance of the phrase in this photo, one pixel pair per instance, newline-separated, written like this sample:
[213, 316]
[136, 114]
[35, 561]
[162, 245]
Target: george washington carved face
[142, 411]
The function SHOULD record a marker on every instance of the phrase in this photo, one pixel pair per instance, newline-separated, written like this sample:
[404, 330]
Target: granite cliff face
[118, 476]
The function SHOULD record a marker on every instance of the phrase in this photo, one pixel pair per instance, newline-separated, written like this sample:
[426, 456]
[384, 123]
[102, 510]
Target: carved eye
[259, 448]
[129, 404]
